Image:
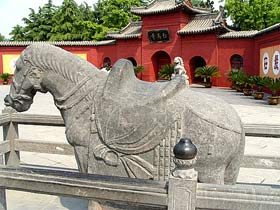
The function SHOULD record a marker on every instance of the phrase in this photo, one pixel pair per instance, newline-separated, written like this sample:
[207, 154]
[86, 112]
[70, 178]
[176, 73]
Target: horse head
[26, 82]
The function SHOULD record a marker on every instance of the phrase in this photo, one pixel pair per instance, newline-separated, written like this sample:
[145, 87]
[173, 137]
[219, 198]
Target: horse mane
[51, 58]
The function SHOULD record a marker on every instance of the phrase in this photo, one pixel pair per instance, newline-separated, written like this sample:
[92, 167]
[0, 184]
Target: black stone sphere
[185, 149]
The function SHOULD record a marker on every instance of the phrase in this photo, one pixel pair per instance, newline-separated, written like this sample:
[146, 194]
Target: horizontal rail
[144, 192]
[262, 162]
[249, 161]
[269, 130]
[36, 119]
[4, 119]
[5, 147]
[233, 197]
[85, 185]
[43, 147]
[55, 120]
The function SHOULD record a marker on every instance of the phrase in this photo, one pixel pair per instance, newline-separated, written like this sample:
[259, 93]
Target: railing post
[183, 179]
[3, 204]
[10, 132]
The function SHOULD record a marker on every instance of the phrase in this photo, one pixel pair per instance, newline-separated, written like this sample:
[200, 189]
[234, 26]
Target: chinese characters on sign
[158, 36]
[275, 63]
[265, 63]
[269, 61]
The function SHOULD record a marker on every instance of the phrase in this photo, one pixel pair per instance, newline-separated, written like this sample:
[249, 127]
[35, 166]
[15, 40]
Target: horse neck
[70, 97]
[68, 90]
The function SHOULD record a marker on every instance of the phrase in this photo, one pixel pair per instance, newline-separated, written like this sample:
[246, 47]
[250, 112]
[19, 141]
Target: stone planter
[247, 92]
[273, 100]
[259, 95]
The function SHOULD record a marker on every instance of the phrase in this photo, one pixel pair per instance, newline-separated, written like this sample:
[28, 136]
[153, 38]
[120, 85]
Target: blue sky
[12, 11]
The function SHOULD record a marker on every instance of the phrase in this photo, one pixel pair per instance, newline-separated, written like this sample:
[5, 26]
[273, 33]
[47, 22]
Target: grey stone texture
[120, 125]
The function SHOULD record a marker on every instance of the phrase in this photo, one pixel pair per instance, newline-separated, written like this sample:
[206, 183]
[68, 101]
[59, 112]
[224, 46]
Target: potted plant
[166, 72]
[259, 82]
[232, 77]
[240, 80]
[138, 70]
[248, 85]
[274, 85]
[5, 77]
[207, 73]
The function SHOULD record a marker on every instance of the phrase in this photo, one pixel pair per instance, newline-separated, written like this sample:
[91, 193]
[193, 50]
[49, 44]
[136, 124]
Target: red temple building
[171, 28]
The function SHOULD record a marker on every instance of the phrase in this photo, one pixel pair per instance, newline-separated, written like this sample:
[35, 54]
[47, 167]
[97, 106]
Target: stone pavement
[250, 111]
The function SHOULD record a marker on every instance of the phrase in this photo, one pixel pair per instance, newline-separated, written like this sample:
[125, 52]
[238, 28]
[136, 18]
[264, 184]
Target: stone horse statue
[122, 126]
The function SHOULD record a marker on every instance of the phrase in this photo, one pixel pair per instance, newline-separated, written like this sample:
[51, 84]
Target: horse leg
[212, 174]
[232, 170]
[81, 154]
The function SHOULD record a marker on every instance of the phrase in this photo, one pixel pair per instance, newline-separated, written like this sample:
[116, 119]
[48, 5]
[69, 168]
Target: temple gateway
[171, 28]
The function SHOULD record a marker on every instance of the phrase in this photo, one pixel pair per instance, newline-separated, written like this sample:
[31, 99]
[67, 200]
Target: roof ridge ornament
[219, 20]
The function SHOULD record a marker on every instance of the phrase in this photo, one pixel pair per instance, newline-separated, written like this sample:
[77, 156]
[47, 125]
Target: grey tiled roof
[249, 34]
[58, 43]
[238, 34]
[203, 23]
[164, 6]
[131, 31]
[269, 29]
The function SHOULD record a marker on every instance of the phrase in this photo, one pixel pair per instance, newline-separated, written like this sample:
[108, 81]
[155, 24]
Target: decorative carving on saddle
[132, 117]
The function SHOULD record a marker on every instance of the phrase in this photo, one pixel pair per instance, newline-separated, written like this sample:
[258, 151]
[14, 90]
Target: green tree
[253, 14]
[17, 33]
[115, 14]
[66, 19]
[203, 4]
[75, 22]
[38, 25]
[2, 38]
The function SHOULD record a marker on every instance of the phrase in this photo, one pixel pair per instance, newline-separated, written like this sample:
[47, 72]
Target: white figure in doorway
[179, 69]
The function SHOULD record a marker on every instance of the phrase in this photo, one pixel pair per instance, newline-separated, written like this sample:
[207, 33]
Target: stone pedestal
[183, 180]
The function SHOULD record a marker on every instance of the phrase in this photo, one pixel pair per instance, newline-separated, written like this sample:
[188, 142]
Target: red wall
[130, 48]
[204, 45]
[227, 48]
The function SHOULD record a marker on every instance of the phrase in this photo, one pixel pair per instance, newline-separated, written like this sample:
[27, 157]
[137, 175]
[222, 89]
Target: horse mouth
[20, 103]
[8, 100]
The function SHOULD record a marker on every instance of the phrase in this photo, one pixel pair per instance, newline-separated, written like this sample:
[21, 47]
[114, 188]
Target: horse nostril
[8, 100]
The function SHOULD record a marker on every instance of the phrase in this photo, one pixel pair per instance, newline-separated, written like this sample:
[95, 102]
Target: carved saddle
[132, 116]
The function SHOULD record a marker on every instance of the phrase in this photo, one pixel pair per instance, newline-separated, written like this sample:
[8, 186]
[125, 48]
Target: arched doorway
[159, 59]
[236, 61]
[195, 62]
[133, 61]
[106, 62]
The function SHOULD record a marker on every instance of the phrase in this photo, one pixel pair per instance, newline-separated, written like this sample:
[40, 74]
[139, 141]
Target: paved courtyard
[250, 111]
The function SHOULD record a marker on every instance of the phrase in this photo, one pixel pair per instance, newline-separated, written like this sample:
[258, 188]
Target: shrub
[273, 84]
[260, 82]
[166, 71]
[207, 72]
